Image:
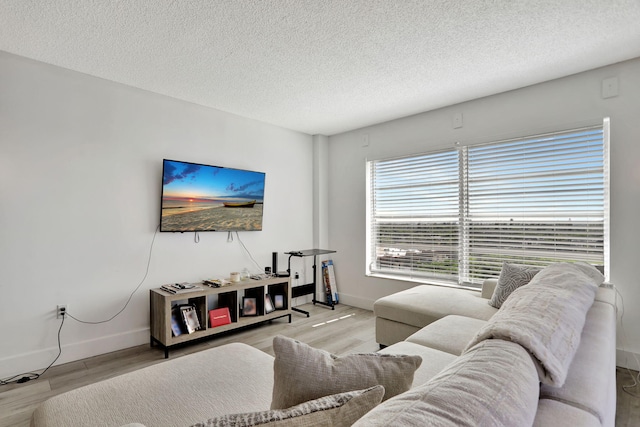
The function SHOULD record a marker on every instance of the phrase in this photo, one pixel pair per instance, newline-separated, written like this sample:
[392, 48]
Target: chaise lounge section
[404, 313]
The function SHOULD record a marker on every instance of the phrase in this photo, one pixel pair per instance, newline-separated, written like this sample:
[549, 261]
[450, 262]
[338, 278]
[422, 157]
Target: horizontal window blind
[456, 215]
[414, 216]
[535, 201]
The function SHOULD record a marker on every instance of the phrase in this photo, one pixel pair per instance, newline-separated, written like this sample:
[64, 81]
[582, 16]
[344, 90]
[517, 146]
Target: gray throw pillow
[303, 373]
[338, 410]
[511, 278]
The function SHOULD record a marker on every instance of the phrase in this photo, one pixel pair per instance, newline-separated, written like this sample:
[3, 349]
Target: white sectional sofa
[555, 368]
[439, 324]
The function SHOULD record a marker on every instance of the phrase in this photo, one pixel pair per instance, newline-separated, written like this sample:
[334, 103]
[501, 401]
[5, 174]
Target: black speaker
[274, 262]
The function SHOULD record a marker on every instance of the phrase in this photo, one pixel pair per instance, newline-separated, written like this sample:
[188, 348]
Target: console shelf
[206, 299]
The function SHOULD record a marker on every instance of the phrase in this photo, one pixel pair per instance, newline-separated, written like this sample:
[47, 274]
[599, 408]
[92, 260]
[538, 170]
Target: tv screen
[198, 197]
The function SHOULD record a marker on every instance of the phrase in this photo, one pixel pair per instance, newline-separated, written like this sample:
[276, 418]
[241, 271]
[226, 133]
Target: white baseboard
[35, 361]
[354, 301]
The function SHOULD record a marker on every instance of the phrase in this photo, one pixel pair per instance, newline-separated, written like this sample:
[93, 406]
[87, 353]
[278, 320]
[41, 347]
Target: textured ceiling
[323, 66]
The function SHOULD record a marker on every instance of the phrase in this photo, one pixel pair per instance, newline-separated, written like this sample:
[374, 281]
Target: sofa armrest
[488, 286]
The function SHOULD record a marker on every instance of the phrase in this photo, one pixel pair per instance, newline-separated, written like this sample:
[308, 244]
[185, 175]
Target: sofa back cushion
[546, 317]
[488, 288]
[494, 383]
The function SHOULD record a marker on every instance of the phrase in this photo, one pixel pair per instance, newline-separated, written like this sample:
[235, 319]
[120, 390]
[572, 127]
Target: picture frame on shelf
[249, 306]
[190, 316]
[268, 304]
[278, 302]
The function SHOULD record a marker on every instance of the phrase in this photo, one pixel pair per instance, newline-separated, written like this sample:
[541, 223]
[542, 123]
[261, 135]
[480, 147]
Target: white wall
[80, 179]
[560, 104]
[320, 194]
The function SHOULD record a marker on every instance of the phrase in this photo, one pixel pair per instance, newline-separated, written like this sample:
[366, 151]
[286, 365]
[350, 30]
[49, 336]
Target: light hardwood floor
[341, 331]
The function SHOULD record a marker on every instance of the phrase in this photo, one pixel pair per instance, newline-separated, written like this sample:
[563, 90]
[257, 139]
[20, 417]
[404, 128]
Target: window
[454, 216]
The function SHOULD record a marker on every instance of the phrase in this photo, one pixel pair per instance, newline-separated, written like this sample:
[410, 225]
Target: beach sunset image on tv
[199, 197]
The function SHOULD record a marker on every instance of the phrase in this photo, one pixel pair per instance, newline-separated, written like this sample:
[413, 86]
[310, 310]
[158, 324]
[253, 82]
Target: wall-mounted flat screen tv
[198, 197]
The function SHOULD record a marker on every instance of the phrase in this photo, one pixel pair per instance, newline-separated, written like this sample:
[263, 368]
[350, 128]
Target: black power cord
[146, 273]
[23, 378]
[246, 250]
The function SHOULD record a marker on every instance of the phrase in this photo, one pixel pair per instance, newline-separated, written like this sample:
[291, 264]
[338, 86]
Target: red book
[219, 317]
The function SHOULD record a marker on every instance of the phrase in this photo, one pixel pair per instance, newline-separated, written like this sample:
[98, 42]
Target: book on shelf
[180, 288]
[329, 278]
[176, 325]
[219, 317]
[216, 283]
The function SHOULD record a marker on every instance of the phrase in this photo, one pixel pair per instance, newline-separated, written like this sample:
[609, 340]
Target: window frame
[463, 258]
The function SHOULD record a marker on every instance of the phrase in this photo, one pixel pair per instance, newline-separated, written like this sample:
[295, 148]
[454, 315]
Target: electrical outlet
[61, 310]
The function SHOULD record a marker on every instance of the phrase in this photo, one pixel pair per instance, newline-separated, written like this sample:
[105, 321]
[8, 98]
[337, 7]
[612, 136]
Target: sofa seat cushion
[590, 382]
[493, 384]
[433, 361]
[450, 334]
[182, 391]
[424, 304]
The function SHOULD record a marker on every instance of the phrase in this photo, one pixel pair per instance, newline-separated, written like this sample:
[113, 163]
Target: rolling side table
[309, 288]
